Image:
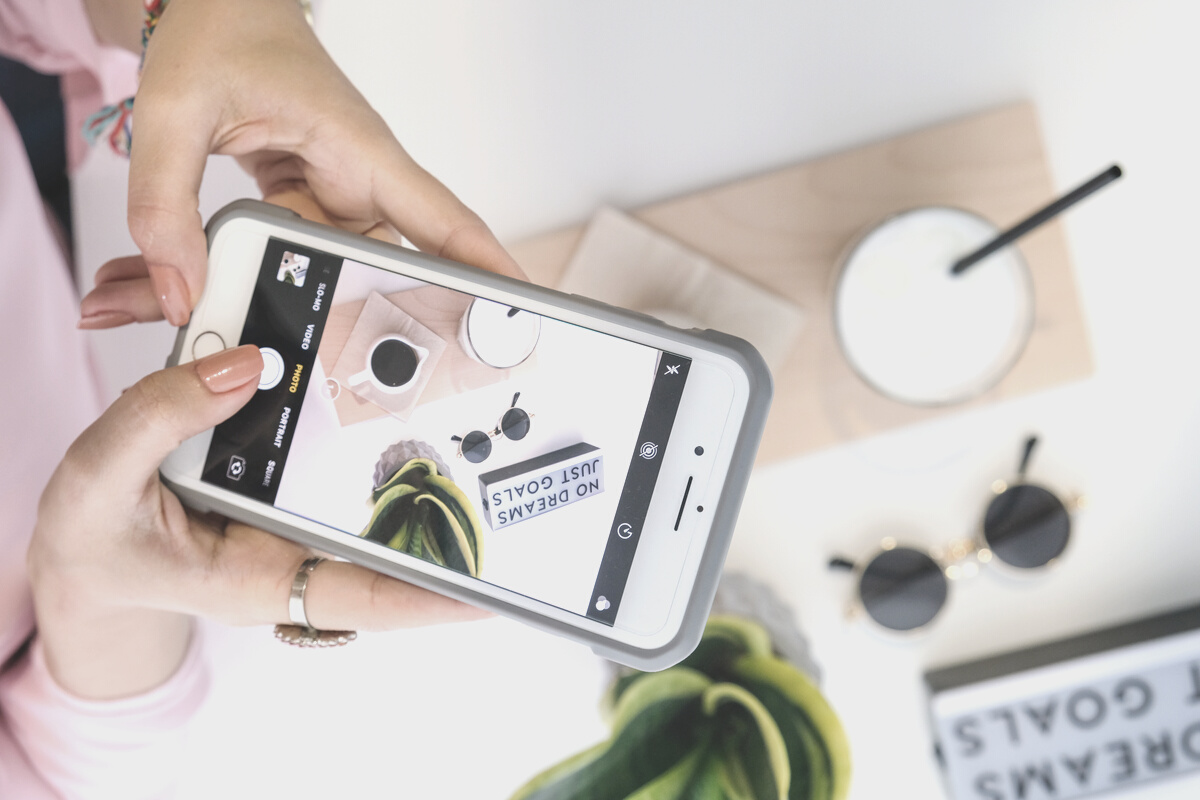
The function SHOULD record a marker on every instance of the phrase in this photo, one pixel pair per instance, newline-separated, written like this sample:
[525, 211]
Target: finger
[119, 302]
[256, 570]
[341, 596]
[121, 269]
[165, 168]
[436, 221]
[296, 197]
[165, 408]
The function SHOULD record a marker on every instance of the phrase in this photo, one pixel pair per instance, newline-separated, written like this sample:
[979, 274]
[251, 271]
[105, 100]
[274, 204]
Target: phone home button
[206, 344]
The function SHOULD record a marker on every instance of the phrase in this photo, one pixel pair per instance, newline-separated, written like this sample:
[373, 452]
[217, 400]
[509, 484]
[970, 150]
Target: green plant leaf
[616, 690]
[657, 687]
[559, 771]
[400, 538]
[412, 472]
[430, 545]
[819, 782]
[651, 743]
[390, 511]
[752, 637]
[449, 493]
[727, 638]
[673, 783]
[769, 774]
[707, 783]
[451, 538]
[810, 779]
[799, 705]
[731, 776]
[416, 538]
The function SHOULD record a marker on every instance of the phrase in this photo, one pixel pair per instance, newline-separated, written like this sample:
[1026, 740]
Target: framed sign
[1072, 718]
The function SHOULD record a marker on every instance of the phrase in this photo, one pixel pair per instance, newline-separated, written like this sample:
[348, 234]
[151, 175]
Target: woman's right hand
[118, 566]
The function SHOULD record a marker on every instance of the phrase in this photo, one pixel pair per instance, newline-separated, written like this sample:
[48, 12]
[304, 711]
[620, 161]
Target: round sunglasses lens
[514, 424]
[1026, 526]
[476, 446]
[903, 589]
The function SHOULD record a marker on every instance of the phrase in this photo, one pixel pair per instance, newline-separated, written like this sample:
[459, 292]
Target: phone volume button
[609, 307]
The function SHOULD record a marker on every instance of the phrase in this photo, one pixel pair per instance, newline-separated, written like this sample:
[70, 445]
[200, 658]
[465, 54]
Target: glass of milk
[497, 335]
[919, 334]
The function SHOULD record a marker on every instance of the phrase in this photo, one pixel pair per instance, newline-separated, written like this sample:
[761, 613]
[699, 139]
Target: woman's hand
[250, 79]
[118, 566]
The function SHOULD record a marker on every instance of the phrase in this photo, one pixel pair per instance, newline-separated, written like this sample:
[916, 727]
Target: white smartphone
[560, 461]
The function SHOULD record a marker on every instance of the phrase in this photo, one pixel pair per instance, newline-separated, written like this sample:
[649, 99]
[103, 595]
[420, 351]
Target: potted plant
[734, 721]
[419, 510]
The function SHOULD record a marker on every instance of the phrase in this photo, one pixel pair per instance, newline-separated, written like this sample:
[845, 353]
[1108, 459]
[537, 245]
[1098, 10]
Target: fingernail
[172, 293]
[229, 369]
[104, 319]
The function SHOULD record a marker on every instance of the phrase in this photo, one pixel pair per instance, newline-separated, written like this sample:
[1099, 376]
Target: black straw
[1037, 218]
[1030, 443]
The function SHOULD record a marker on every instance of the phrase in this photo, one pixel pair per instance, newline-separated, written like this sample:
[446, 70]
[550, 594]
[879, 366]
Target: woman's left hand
[118, 566]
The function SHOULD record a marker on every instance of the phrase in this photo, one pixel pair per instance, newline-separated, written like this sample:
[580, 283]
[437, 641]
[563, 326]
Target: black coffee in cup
[393, 363]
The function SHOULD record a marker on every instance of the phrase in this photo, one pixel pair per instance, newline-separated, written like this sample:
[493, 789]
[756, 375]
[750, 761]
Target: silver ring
[301, 633]
[299, 584]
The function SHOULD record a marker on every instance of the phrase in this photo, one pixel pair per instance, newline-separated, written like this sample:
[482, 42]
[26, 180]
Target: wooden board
[788, 229]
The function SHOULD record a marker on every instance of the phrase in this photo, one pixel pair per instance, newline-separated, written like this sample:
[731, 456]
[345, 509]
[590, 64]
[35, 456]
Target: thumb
[165, 408]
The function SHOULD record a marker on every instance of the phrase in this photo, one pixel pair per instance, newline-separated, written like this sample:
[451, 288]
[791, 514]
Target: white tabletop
[536, 114]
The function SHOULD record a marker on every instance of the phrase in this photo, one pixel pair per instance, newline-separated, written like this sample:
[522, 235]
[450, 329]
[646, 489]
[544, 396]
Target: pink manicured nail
[229, 369]
[104, 319]
[172, 293]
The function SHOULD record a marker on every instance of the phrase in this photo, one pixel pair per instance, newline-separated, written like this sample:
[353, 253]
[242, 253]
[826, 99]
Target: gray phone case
[724, 515]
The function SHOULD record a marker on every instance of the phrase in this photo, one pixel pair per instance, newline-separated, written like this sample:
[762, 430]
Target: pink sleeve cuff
[55, 36]
[128, 748]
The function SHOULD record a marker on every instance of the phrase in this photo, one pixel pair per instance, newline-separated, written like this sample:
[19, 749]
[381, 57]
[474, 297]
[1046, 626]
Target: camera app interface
[511, 447]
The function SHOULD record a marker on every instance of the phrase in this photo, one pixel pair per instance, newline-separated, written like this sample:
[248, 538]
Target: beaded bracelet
[117, 119]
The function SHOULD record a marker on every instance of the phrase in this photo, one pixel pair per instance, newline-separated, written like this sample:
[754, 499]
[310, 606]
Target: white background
[538, 113]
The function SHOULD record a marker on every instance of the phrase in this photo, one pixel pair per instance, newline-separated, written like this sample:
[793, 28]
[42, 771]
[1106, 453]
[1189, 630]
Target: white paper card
[623, 262]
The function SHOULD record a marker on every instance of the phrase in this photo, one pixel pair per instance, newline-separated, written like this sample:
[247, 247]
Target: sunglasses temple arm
[515, 398]
[841, 562]
[1027, 456]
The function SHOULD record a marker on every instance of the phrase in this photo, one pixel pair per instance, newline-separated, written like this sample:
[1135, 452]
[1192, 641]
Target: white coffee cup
[497, 335]
[919, 334]
[393, 364]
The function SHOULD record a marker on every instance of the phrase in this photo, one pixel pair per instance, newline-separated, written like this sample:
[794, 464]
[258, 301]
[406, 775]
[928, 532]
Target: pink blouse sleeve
[51, 742]
[129, 749]
[56, 37]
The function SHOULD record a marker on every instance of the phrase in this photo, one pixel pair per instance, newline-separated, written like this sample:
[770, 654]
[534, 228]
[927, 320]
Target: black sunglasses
[476, 446]
[1025, 526]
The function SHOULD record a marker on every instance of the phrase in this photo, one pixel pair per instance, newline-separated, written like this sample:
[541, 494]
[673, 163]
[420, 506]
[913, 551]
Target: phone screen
[509, 446]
